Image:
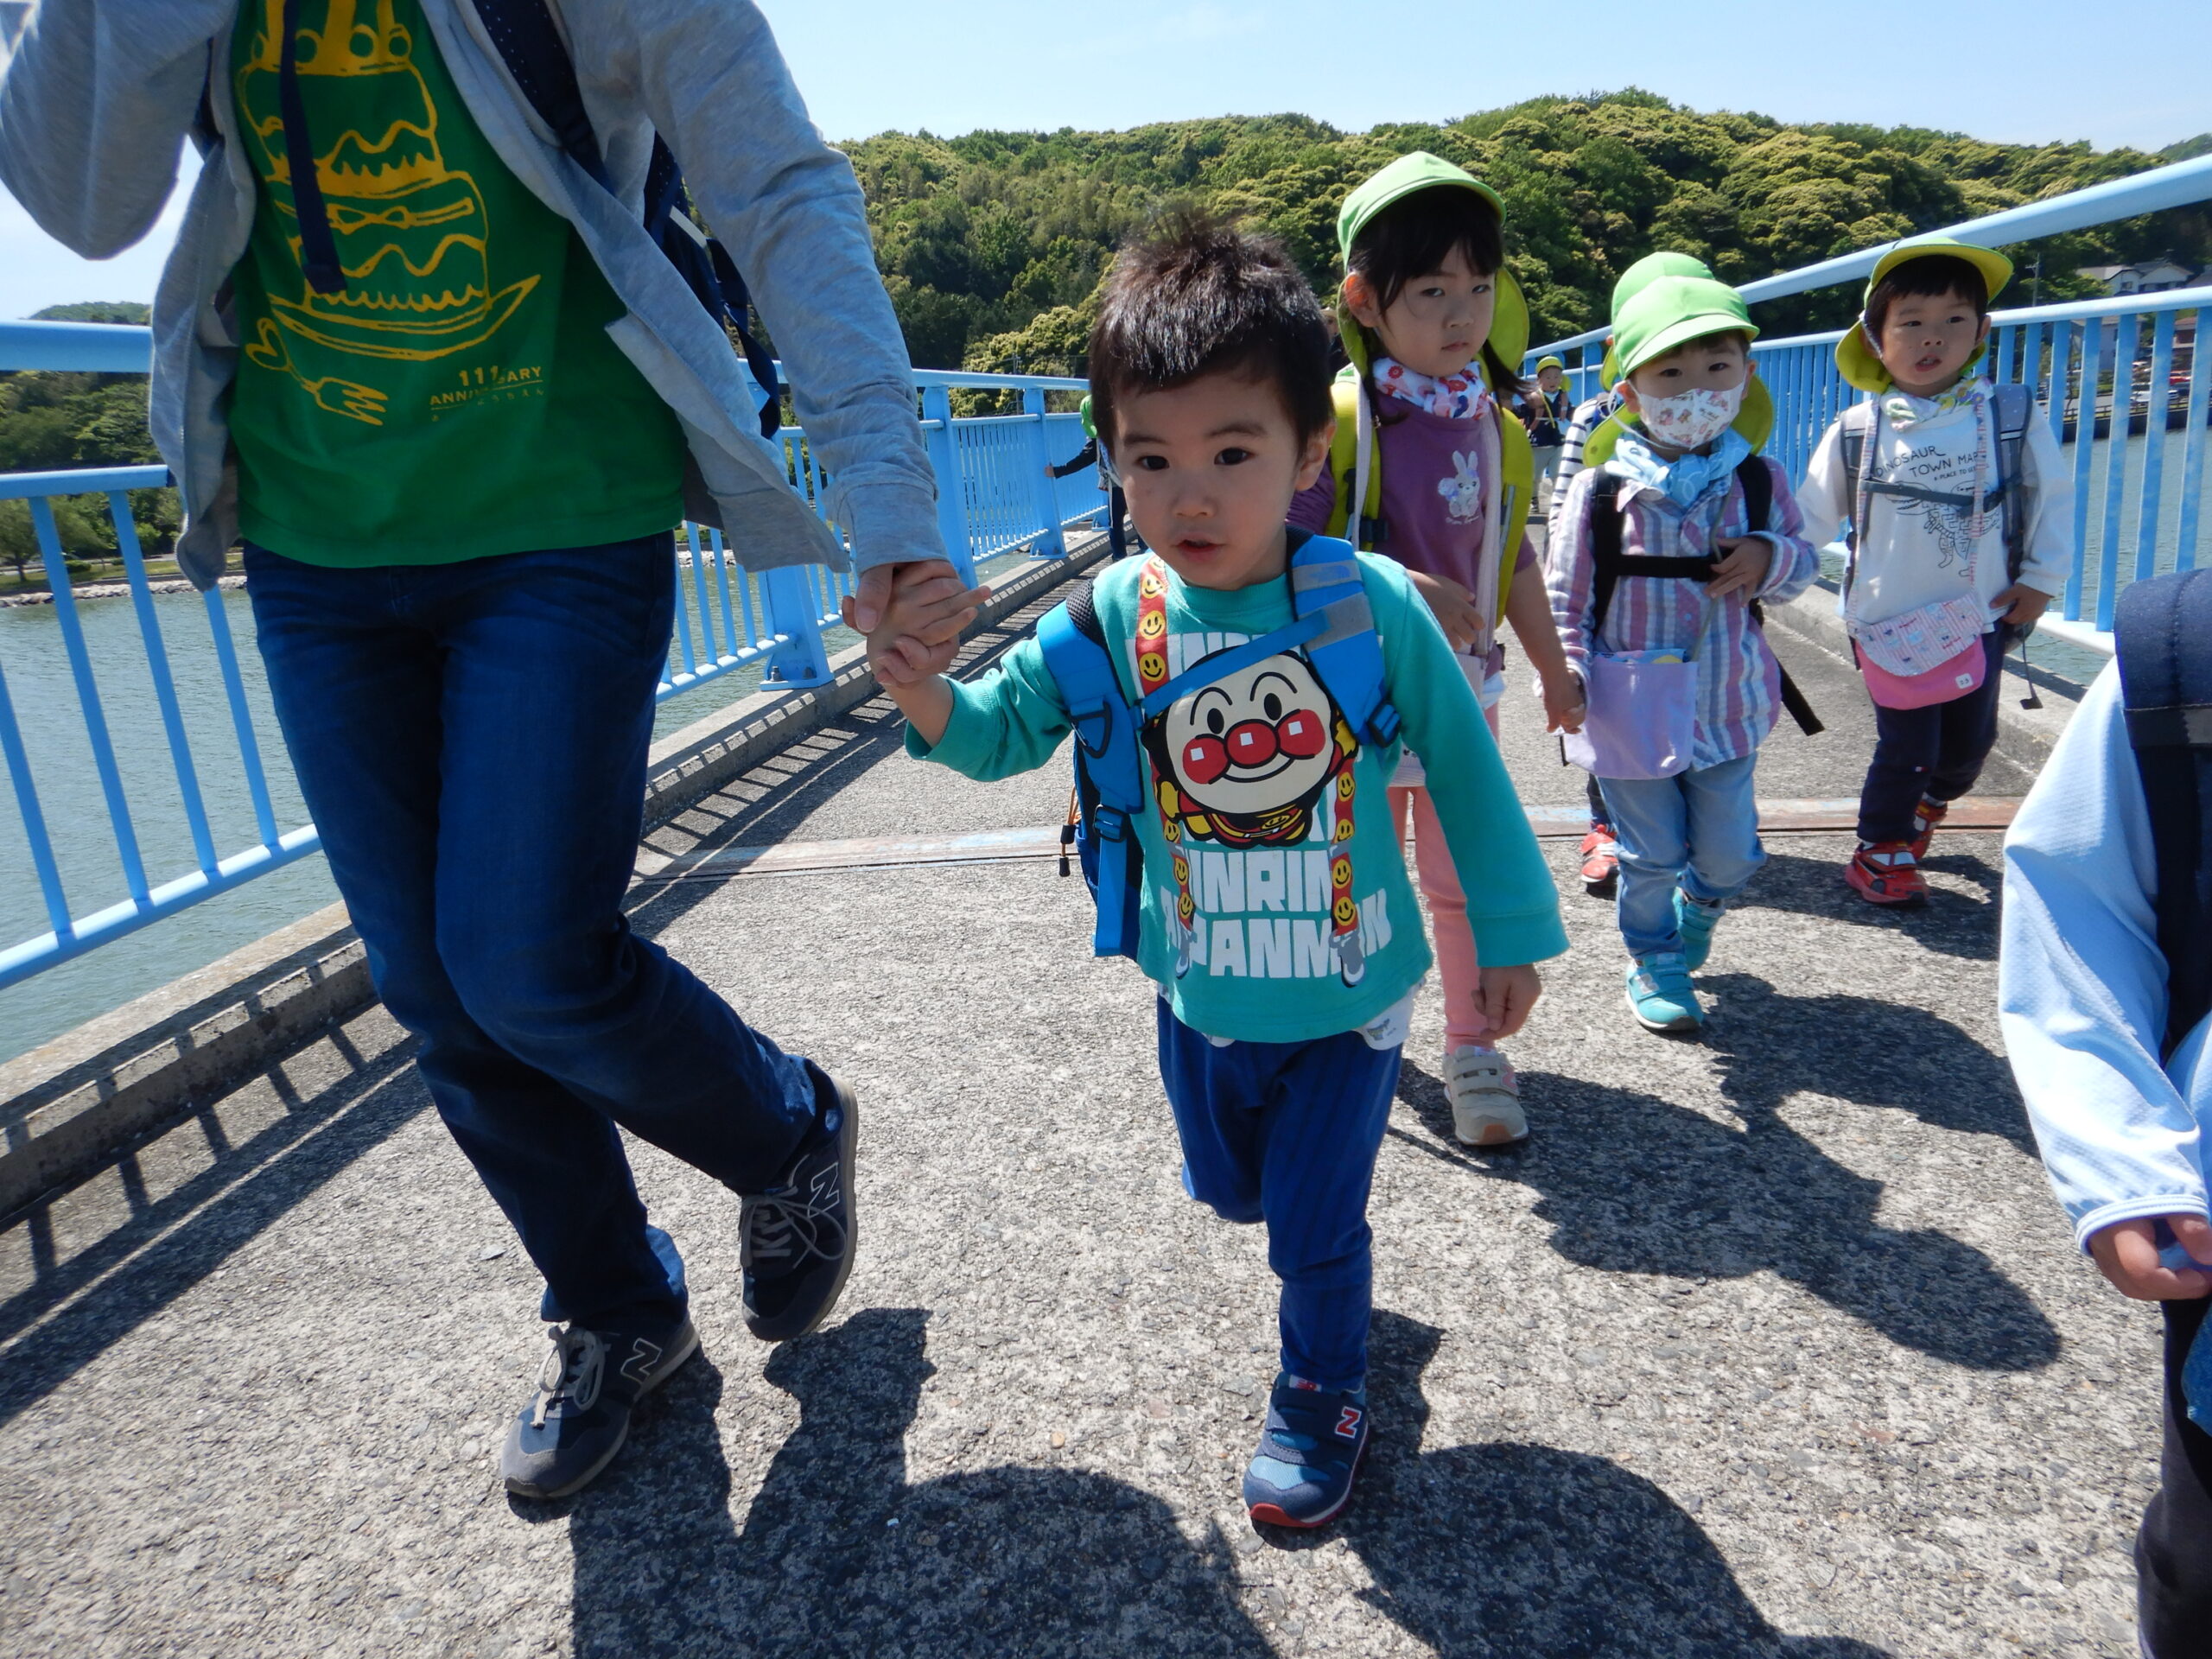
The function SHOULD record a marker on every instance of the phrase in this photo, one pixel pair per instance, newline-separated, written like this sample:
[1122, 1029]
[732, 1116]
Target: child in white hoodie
[1960, 527]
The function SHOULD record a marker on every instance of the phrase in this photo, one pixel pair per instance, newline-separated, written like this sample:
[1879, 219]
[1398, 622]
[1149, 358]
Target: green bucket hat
[1508, 327]
[1543, 363]
[1090, 425]
[1639, 277]
[1855, 357]
[1670, 312]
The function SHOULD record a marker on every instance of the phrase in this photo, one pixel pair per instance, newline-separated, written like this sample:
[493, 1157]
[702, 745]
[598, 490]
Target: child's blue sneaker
[1309, 1451]
[1696, 921]
[1659, 992]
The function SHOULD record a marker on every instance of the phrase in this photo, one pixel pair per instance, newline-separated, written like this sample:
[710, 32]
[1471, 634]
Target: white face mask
[1690, 420]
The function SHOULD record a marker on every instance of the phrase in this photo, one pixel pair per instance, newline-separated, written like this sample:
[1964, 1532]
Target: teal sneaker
[1696, 921]
[1659, 992]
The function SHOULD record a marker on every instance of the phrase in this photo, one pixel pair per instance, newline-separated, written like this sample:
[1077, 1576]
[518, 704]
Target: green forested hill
[993, 243]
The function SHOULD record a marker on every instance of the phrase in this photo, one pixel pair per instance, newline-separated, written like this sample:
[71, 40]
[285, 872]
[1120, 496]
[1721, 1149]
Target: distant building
[2149, 277]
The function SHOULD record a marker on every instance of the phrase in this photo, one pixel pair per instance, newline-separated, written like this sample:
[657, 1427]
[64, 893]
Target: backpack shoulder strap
[1108, 767]
[1857, 423]
[1758, 490]
[2162, 635]
[1344, 467]
[2015, 408]
[529, 43]
[1325, 582]
[1606, 508]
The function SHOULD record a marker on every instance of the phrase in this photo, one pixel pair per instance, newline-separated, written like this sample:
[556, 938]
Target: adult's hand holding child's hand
[919, 621]
[2126, 1252]
[1745, 561]
[1454, 607]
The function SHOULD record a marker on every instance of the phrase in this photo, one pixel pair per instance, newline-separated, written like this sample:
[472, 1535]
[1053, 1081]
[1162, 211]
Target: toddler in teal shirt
[1276, 918]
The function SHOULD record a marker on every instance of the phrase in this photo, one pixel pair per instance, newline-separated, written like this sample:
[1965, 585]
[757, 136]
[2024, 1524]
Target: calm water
[44, 695]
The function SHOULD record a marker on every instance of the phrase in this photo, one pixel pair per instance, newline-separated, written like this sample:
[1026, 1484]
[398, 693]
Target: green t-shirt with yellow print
[461, 397]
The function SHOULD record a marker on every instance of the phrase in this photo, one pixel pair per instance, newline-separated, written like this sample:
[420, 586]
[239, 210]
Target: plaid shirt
[1739, 685]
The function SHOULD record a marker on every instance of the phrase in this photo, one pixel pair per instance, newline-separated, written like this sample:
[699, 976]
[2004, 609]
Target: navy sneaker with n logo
[795, 1239]
[1309, 1451]
[582, 1416]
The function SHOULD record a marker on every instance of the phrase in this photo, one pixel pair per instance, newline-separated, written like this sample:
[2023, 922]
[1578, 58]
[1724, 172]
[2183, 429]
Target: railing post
[951, 489]
[800, 660]
[1050, 546]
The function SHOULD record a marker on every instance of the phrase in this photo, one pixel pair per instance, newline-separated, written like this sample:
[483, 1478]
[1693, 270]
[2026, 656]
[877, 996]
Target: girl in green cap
[1442, 472]
[1960, 519]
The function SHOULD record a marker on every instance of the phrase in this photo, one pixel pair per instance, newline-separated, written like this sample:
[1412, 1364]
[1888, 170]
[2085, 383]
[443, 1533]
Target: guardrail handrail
[995, 499]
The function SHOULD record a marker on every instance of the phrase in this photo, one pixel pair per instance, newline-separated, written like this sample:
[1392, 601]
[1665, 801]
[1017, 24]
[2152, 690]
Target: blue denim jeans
[471, 739]
[1698, 830]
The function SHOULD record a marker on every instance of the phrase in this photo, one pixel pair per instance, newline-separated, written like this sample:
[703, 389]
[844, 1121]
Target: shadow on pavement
[1634, 1183]
[1952, 923]
[1771, 1045]
[1508, 1551]
[839, 1554]
[155, 1252]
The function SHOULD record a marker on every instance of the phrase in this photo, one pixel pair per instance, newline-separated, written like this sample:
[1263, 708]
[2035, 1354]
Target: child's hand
[1505, 995]
[1565, 702]
[2126, 1252]
[1454, 606]
[2020, 605]
[1744, 564]
[922, 622]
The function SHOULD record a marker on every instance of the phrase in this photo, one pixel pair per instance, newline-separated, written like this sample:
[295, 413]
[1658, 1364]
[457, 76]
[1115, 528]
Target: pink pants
[1456, 964]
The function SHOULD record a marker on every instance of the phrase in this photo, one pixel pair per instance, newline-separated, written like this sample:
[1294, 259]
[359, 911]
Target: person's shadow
[1954, 924]
[1635, 1184]
[839, 1554]
[1511, 1551]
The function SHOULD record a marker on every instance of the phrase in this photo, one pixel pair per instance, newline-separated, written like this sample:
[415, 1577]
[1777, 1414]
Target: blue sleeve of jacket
[2082, 984]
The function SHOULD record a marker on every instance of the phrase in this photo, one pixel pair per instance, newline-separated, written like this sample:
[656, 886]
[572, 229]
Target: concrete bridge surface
[1771, 1344]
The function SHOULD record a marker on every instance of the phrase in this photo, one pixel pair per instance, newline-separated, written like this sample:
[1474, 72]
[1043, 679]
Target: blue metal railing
[2104, 372]
[994, 498]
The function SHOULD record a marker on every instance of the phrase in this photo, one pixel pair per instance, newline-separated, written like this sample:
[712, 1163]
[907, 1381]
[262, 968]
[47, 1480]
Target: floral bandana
[1902, 409]
[1686, 479]
[1690, 420]
[1461, 396]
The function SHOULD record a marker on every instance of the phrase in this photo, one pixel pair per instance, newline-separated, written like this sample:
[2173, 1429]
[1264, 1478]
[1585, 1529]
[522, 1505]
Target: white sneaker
[1485, 1098]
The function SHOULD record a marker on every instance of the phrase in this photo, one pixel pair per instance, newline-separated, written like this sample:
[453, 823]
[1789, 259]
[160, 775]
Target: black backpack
[1609, 565]
[2162, 629]
[531, 46]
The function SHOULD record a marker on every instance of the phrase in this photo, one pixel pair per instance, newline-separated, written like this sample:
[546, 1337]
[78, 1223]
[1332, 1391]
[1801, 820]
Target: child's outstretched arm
[2081, 1000]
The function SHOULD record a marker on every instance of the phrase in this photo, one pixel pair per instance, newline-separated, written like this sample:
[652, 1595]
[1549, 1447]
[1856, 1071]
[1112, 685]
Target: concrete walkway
[1771, 1344]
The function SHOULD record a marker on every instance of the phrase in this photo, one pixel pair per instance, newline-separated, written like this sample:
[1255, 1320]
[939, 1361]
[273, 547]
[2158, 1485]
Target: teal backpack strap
[1346, 653]
[1108, 769]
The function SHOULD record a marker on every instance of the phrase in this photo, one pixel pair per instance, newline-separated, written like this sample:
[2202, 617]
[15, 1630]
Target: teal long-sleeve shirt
[1254, 769]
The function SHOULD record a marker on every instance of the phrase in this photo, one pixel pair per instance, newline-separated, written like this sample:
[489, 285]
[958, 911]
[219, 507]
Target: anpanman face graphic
[1254, 742]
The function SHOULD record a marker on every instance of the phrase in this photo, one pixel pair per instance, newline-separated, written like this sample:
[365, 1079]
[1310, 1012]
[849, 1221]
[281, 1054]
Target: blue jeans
[471, 739]
[1286, 1134]
[1698, 830]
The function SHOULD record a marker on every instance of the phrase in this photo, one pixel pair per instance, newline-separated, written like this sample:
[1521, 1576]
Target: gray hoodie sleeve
[95, 105]
[713, 82]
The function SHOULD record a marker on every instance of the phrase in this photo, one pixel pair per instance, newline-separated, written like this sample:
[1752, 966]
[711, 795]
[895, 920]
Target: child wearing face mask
[1960, 511]
[1431, 469]
[1671, 531]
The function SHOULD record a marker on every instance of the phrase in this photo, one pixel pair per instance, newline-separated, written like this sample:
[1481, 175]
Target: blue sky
[2022, 71]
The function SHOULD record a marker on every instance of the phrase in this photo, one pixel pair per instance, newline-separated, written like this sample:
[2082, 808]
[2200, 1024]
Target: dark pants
[1601, 816]
[471, 739]
[1935, 752]
[1286, 1134]
[2173, 1552]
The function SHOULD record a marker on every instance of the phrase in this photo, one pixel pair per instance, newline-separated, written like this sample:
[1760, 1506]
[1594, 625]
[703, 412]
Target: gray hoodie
[97, 95]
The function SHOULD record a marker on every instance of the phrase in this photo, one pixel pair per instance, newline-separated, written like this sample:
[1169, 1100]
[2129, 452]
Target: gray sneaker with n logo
[580, 1417]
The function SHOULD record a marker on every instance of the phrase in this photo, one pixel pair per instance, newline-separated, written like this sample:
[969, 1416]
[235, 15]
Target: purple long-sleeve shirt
[1740, 682]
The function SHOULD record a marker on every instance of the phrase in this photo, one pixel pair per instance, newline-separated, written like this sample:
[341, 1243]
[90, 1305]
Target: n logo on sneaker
[644, 1356]
[1347, 1423]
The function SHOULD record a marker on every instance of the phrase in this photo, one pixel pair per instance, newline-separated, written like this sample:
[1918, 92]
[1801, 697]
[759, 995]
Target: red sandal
[1600, 862]
[1887, 872]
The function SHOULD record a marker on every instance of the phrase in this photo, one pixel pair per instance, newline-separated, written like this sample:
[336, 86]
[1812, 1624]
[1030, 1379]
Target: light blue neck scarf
[1686, 479]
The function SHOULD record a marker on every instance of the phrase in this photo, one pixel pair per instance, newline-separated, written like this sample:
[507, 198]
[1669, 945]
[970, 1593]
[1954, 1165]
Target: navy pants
[1286, 1134]
[471, 739]
[1936, 751]
[2173, 1552]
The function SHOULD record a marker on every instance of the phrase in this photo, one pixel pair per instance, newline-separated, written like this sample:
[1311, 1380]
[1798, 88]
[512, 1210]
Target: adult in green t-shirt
[454, 399]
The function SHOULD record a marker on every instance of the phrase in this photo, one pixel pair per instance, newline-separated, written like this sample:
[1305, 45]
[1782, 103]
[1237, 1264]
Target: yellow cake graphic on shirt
[411, 232]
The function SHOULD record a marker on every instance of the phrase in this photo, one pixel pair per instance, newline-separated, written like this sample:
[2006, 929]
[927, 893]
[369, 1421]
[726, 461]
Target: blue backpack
[2161, 632]
[1331, 620]
[529, 45]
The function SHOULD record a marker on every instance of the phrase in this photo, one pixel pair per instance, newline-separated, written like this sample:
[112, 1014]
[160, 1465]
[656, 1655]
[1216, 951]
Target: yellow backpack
[1508, 458]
